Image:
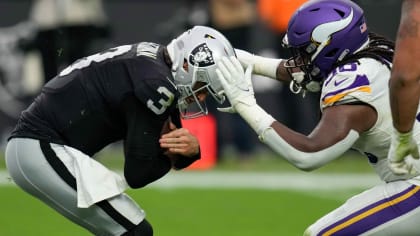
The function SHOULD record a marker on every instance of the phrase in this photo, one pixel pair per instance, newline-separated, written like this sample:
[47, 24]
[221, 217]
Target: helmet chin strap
[296, 86]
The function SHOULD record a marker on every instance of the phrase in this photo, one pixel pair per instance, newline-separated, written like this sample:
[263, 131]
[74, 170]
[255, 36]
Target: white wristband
[266, 66]
[255, 116]
[262, 65]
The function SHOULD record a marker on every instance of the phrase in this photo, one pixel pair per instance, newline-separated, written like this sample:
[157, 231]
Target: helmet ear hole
[315, 9]
[185, 65]
[332, 53]
[341, 13]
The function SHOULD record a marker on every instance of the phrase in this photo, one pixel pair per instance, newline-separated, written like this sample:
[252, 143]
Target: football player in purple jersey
[334, 54]
[131, 93]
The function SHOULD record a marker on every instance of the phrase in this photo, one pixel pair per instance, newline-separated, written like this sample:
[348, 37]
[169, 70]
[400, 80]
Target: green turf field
[197, 211]
[204, 212]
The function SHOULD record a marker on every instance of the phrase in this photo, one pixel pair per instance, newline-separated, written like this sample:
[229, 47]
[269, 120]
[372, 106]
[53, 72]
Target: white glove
[402, 146]
[237, 85]
[262, 65]
[238, 89]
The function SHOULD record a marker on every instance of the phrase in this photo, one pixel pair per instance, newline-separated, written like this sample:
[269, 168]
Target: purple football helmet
[321, 33]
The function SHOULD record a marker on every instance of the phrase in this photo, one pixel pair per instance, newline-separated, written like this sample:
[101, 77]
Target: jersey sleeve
[144, 159]
[153, 87]
[347, 85]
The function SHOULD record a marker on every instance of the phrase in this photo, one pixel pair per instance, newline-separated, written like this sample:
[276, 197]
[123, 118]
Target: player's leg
[142, 229]
[387, 209]
[52, 183]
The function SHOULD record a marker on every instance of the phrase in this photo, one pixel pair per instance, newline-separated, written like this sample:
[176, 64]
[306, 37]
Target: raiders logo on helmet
[201, 56]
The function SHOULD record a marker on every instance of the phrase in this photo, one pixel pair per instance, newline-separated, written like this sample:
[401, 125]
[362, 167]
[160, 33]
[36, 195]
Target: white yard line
[266, 180]
[254, 180]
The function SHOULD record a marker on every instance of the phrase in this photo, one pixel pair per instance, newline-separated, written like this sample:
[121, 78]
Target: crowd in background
[50, 34]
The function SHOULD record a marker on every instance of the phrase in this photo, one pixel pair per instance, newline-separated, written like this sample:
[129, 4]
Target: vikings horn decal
[323, 32]
[201, 56]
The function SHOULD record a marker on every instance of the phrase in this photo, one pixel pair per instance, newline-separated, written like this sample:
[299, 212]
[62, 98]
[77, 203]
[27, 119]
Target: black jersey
[101, 99]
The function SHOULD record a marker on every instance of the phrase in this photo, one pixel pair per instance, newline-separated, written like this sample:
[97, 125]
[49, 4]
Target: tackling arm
[307, 160]
[269, 67]
[336, 132]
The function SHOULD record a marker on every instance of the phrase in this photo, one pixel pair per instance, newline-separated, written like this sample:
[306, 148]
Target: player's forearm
[140, 171]
[265, 66]
[404, 96]
[281, 73]
[306, 160]
[271, 68]
[182, 162]
[405, 77]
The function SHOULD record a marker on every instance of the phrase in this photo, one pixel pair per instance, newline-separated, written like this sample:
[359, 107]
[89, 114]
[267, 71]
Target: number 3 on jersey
[98, 57]
[164, 102]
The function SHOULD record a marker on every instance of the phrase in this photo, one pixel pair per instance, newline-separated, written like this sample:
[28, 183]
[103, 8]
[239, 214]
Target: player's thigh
[31, 171]
[386, 206]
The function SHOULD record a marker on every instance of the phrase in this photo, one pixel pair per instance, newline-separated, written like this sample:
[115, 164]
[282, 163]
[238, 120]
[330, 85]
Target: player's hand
[236, 83]
[180, 142]
[402, 146]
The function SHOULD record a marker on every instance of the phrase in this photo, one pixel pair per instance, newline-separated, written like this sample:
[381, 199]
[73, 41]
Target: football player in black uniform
[131, 93]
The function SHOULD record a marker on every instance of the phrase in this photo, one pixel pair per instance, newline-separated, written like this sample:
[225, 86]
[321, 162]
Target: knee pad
[142, 229]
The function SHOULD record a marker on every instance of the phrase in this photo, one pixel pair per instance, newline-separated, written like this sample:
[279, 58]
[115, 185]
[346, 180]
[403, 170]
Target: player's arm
[404, 88]
[273, 68]
[181, 146]
[144, 159]
[336, 132]
[405, 76]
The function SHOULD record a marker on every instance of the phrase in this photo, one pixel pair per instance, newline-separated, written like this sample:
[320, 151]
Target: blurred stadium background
[236, 190]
